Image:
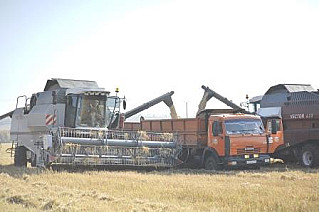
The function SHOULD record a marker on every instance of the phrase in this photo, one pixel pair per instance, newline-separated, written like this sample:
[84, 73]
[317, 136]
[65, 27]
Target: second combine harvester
[291, 117]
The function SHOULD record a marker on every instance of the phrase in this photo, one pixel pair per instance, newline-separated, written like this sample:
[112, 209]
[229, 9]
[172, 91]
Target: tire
[211, 163]
[33, 160]
[20, 157]
[309, 156]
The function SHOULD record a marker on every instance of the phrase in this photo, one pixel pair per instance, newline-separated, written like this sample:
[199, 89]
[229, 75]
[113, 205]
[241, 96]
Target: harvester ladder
[11, 150]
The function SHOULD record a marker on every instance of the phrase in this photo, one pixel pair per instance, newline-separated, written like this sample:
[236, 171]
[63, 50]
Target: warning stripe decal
[50, 119]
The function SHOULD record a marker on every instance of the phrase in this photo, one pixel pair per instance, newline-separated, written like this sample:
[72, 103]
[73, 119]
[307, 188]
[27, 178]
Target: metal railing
[116, 134]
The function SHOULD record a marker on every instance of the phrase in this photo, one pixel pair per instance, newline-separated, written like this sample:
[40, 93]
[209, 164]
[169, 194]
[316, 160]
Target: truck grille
[248, 150]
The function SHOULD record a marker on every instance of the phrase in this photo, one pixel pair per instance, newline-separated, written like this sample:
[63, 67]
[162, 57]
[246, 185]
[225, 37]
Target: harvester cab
[93, 109]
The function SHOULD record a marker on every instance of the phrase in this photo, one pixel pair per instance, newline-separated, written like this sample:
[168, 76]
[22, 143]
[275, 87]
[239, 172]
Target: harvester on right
[290, 114]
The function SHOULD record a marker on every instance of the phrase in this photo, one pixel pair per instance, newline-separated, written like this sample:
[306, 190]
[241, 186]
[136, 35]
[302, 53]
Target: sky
[148, 48]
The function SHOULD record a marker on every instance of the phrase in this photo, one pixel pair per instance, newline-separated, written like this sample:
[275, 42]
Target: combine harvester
[75, 122]
[291, 117]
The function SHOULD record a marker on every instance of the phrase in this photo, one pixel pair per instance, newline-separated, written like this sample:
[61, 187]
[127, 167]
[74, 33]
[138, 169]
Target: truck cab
[236, 140]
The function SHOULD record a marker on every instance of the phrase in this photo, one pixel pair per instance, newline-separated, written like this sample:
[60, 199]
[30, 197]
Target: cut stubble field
[278, 188]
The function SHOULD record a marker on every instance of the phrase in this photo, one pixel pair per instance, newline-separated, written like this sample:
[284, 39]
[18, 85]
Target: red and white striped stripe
[50, 119]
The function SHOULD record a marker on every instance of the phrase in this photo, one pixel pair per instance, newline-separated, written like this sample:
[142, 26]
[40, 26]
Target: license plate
[251, 162]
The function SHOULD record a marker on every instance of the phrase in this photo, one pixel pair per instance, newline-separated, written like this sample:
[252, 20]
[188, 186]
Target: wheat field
[278, 188]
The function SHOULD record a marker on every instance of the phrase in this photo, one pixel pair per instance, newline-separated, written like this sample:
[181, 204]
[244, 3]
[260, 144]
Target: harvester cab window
[91, 111]
[112, 111]
[70, 111]
[86, 111]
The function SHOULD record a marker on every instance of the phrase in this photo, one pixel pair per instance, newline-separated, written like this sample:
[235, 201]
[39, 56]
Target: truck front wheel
[309, 156]
[20, 156]
[211, 163]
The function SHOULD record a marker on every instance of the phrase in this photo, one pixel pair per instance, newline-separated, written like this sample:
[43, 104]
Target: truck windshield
[244, 126]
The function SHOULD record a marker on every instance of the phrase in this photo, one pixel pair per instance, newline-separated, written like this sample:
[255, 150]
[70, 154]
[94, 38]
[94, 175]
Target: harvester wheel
[211, 163]
[33, 160]
[309, 156]
[20, 156]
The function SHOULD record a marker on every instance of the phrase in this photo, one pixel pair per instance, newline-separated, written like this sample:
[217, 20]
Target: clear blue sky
[148, 48]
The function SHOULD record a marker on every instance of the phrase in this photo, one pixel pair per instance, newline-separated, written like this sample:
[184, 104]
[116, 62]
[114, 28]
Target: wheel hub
[307, 158]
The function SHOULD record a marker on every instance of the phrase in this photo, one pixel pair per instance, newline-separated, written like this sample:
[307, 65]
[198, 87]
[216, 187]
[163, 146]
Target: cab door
[274, 130]
[216, 136]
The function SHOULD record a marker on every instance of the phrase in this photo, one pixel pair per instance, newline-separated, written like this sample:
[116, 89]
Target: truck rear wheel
[309, 156]
[211, 163]
[20, 156]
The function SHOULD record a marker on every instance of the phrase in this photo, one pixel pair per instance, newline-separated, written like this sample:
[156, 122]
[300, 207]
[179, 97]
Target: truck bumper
[248, 160]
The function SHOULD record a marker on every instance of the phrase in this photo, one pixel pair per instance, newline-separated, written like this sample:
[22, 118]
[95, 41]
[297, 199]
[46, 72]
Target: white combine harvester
[75, 122]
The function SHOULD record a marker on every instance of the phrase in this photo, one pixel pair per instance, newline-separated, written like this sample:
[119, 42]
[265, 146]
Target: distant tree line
[4, 136]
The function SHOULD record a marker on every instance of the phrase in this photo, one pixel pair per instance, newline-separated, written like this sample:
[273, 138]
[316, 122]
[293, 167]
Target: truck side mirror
[273, 126]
